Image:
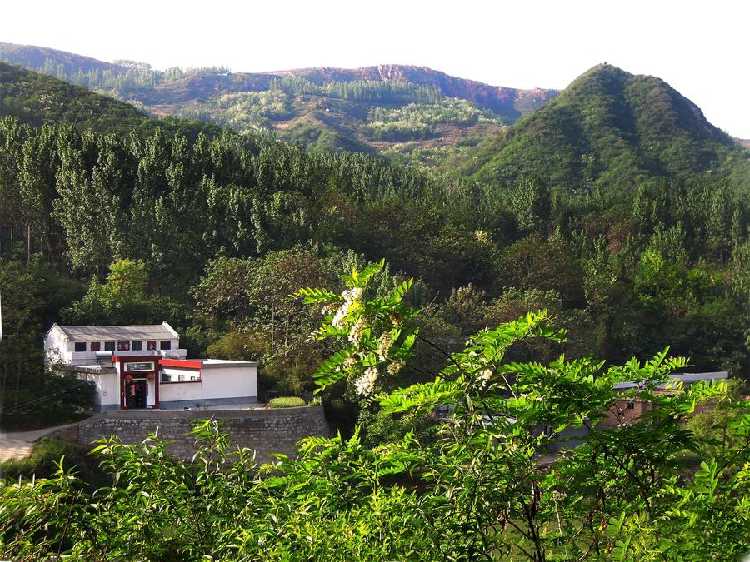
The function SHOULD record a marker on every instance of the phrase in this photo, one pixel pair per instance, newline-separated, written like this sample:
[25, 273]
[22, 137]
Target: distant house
[138, 367]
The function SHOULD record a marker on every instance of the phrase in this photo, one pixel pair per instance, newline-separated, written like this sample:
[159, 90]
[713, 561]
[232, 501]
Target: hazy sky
[700, 48]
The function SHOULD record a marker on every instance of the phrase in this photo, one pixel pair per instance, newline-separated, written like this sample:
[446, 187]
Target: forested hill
[36, 99]
[509, 103]
[394, 109]
[610, 127]
[217, 231]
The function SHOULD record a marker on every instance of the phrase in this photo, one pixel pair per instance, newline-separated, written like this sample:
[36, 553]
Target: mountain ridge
[392, 109]
[486, 95]
[607, 127]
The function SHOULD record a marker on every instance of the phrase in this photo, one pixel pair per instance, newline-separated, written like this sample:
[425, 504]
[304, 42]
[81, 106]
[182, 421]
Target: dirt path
[17, 444]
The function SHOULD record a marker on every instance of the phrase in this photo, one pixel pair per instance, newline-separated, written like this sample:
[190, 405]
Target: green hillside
[609, 127]
[402, 111]
[38, 99]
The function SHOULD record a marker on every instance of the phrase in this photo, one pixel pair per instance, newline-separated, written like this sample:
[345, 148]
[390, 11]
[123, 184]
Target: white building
[136, 367]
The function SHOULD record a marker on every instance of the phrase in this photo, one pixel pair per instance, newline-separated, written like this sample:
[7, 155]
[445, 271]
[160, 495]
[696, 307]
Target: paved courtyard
[13, 448]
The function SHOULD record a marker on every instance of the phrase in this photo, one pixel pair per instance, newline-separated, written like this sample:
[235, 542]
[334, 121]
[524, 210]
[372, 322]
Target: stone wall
[266, 431]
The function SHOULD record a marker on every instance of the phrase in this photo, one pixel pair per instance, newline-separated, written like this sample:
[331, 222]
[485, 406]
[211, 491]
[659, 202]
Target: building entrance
[136, 394]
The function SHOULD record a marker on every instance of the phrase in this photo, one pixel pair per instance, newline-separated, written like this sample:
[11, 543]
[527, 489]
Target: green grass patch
[286, 402]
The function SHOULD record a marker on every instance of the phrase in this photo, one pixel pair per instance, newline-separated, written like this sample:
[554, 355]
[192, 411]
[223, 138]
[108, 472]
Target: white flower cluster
[350, 297]
[485, 376]
[355, 334]
[384, 345]
[395, 367]
[366, 383]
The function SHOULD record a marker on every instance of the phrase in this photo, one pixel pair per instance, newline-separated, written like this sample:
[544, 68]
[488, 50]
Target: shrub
[286, 402]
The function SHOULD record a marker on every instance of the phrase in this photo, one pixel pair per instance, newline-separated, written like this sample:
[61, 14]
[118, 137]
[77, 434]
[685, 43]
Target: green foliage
[32, 294]
[44, 399]
[123, 298]
[480, 484]
[378, 338]
[415, 121]
[37, 99]
[320, 112]
[286, 402]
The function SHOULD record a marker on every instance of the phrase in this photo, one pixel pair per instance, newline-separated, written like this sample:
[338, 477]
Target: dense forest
[628, 266]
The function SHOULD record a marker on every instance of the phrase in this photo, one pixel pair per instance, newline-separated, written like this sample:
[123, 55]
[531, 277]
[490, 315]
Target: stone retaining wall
[266, 431]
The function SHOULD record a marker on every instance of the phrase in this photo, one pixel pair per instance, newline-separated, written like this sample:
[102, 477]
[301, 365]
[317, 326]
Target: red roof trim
[184, 363]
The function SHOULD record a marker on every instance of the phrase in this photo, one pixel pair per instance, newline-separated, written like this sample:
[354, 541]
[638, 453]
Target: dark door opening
[135, 394]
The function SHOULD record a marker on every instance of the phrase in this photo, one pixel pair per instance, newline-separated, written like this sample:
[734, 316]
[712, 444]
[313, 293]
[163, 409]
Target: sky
[700, 48]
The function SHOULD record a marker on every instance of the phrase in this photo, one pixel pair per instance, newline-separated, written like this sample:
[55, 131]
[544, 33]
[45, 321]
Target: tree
[124, 298]
[549, 265]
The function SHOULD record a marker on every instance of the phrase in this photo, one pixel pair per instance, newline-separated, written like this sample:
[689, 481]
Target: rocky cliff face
[512, 102]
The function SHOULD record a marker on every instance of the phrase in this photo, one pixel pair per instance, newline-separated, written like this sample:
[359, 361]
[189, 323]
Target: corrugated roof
[109, 333]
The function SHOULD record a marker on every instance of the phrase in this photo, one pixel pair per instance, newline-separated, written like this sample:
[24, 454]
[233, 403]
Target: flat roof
[225, 363]
[683, 377]
[204, 363]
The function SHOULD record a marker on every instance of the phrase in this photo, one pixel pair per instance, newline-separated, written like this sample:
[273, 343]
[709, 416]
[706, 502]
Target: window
[109, 346]
[174, 375]
[80, 346]
[96, 346]
[151, 345]
[136, 346]
[123, 346]
[165, 345]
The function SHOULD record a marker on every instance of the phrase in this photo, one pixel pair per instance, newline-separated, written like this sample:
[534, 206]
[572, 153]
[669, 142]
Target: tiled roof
[108, 333]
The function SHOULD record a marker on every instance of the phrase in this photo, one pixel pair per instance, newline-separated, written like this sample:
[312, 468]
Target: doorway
[136, 393]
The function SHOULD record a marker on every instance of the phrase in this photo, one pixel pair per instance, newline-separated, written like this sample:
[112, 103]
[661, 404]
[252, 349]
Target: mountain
[36, 99]
[394, 109]
[608, 127]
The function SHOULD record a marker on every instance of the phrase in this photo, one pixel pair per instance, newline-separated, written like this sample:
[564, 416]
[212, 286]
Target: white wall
[217, 381]
[229, 381]
[107, 387]
[180, 391]
[55, 346]
[151, 394]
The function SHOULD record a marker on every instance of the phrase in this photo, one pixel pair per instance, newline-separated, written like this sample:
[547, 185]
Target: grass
[286, 402]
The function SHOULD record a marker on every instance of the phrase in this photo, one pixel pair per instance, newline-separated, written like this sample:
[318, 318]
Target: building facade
[143, 367]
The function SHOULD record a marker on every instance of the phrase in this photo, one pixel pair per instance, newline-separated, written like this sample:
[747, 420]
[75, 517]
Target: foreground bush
[478, 485]
[286, 402]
